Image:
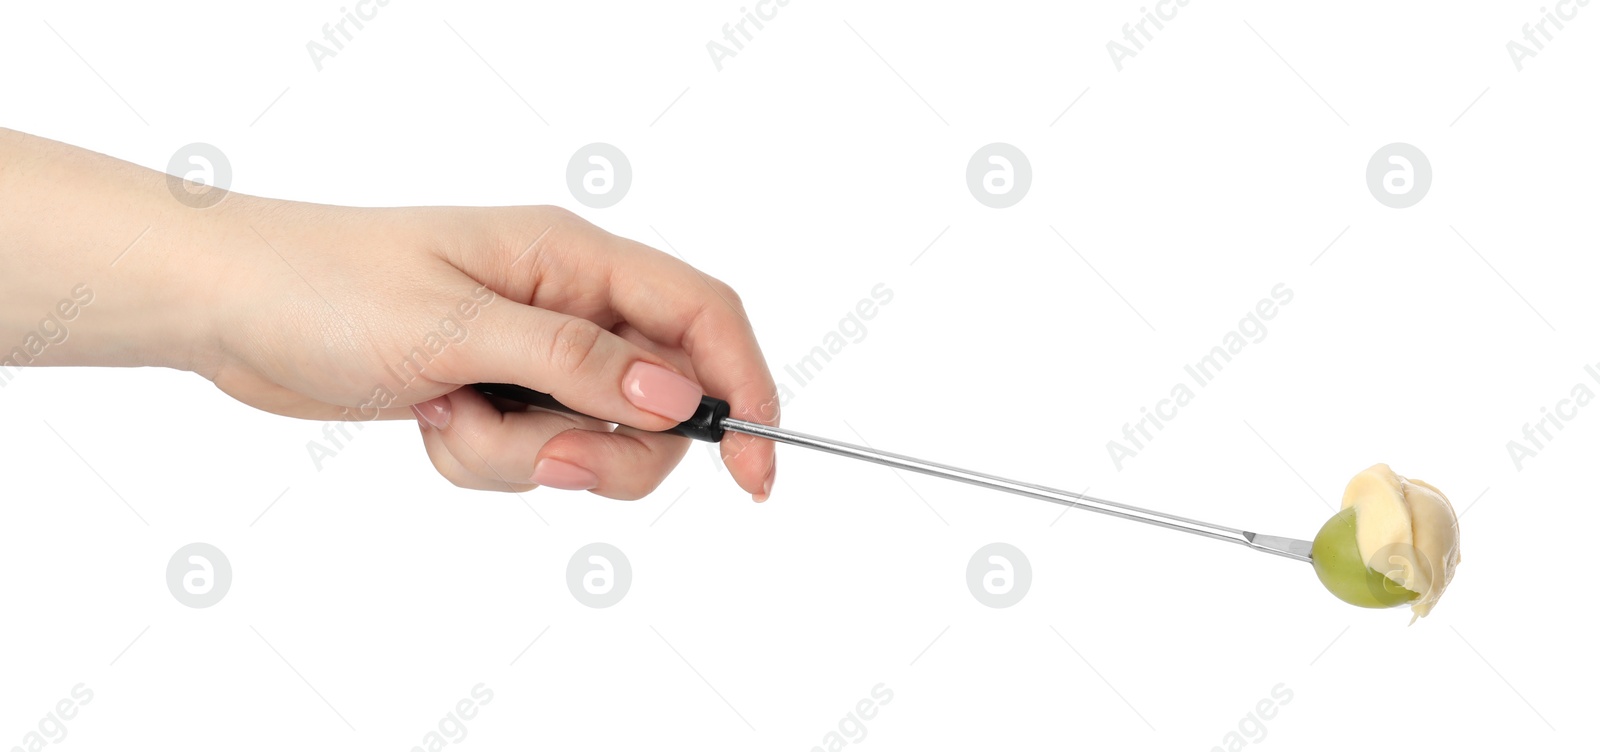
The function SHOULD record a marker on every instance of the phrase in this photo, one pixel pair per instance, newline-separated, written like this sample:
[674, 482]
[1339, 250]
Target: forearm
[100, 264]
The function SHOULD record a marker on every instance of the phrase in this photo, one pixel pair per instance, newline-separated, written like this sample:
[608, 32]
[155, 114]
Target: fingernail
[554, 473]
[655, 389]
[766, 486]
[434, 412]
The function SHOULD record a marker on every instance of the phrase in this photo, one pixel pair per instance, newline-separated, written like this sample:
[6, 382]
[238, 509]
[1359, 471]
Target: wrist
[169, 291]
[227, 274]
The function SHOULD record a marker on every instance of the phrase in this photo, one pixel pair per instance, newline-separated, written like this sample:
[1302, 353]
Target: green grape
[1337, 559]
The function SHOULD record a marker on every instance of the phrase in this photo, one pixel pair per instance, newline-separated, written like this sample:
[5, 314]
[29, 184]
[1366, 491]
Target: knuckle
[465, 469]
[564, 227]
[558, 215]
[572, 345]
[474, 468]
[473, 474]
[538, 233]
[727, 293]
[440, 466]
[450, 469]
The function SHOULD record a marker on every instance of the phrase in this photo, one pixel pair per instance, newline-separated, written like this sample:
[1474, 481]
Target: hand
[355, 314]
[333, 313]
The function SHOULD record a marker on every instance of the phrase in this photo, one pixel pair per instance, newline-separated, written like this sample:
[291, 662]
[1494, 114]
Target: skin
[303, 310]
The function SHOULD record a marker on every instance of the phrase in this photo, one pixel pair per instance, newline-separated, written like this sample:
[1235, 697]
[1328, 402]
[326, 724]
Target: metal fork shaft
[1288, 547]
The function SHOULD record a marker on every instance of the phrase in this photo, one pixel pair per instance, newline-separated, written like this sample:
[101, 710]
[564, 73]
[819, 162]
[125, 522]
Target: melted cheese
[1406, 530]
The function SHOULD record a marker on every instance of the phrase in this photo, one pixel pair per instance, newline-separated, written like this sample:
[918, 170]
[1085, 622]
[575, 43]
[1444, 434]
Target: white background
[371, 596]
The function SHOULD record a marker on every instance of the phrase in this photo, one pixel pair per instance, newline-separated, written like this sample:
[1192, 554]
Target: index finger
[676, 305]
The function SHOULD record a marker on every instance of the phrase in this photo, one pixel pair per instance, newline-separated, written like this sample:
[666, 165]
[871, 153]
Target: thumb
[580, 363]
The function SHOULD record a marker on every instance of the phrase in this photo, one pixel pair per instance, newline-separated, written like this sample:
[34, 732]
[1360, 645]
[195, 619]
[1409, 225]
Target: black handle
[704, 425]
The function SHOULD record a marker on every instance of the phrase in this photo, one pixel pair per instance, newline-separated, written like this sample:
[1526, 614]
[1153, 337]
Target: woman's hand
[333, 313]
[360, 313]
